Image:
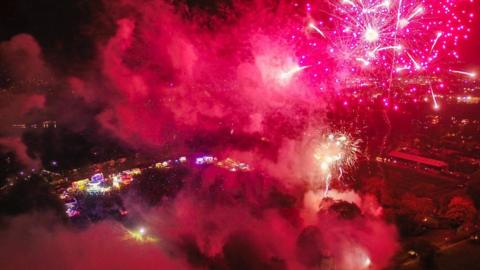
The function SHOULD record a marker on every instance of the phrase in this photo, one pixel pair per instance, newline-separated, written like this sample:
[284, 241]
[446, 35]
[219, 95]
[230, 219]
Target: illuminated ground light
[367, 262]
[140, 235]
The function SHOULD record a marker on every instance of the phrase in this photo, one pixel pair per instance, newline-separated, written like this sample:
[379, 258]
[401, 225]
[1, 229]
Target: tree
[460, 210]
[153, 185]
[309, 247]
[345, 210]
[34, 194]
[8, 166]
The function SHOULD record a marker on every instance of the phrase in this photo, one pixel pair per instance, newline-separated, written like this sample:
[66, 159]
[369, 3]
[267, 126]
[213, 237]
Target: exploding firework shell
[335, 153]
[381, 38]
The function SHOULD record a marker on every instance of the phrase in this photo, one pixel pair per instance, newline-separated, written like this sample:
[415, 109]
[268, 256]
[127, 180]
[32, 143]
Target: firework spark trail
[405, 21]
[435, 104]
[287, 75]
[327, 185]
[469, 74]
[439, 34]
[373, 53]
[387, 35]
[417, 66]
[384, 4]
[314, 27]
[395, 52]
[363, 61]
[396, 47]
[419, 10]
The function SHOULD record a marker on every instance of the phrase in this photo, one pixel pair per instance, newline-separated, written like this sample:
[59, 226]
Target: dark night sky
[63, 28]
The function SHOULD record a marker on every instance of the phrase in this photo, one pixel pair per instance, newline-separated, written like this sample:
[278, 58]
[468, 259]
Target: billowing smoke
[170, 74]
[208, 228]
[176, 77]
[24, 73]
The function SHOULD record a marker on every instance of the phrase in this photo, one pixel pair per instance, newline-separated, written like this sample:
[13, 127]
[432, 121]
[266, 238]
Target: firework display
[230, 134]
[335, 153]
[386, 39]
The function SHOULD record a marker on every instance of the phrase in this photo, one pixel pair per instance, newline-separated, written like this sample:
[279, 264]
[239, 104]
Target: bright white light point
[324, 166]
[141, 231]
[371, 34]
[367, 262]
[402, 23]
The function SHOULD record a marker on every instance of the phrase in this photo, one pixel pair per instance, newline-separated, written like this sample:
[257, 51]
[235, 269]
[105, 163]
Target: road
[462, 255]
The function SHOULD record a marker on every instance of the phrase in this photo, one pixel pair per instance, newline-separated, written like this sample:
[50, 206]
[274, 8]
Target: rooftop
[418, 159]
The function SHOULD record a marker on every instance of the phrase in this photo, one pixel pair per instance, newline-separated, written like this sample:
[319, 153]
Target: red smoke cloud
[201, 230]
[23, 64]
[169, 76]
[24, 49]
[38, 242]
[170, 73]
[16, 145]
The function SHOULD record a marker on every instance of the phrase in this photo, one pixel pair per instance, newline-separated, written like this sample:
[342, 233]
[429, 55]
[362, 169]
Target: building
[432, 163]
